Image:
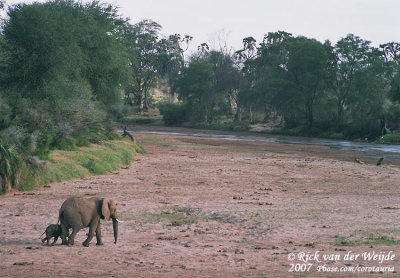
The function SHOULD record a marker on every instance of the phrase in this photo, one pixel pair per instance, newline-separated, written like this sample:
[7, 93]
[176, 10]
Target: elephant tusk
[119, 221]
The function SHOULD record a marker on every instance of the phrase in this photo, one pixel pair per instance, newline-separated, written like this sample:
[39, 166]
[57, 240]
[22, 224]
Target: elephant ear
[105, 209]
[112, 206]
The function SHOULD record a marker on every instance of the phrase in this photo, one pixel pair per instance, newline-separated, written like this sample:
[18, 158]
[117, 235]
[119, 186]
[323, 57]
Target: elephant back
[78, 211]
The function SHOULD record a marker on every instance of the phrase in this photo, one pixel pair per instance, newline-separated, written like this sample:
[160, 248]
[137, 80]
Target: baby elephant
[53, 230]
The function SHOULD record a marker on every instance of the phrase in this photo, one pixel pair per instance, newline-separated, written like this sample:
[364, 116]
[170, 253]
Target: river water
[389, 152]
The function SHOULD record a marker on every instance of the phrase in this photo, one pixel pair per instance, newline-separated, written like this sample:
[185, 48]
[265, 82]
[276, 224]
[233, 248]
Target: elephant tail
[60, 216]
[42, 234]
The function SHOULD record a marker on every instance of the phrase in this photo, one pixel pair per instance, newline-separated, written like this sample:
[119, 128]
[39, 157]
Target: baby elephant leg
[55, 239]
[57, 233]
[48, 237]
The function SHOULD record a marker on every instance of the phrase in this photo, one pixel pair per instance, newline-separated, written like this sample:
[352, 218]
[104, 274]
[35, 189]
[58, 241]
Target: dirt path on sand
[208, 208]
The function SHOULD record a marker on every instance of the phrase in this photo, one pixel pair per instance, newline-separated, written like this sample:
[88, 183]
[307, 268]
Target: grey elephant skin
[78, 213]
[53, 230]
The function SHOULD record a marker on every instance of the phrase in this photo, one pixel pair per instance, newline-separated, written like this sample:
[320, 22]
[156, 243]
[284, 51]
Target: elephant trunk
[115, 226]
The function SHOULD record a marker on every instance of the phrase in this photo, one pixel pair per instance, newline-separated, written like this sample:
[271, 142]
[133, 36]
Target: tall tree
[308, 71]
[151, 57]
[351, 57]
[217, 83]
[392, 56]
[270, 68]
[142, 39]
[56, 46]
[63, 63]
[195, 87]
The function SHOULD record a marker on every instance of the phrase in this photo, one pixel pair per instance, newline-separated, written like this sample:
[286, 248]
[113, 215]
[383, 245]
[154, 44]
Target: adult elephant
[78, 213]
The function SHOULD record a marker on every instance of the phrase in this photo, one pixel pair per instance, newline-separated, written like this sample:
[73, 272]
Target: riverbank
[367, 152]
[96, 159]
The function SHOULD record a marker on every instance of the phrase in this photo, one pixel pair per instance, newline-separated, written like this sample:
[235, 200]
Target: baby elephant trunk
[115, 226]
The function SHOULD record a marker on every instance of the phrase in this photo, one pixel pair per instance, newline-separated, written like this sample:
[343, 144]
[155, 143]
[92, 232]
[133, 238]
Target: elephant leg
[43, 240]
[98, 234]
[64, 234]
[71, 238]
[92, 229]
[55, 239]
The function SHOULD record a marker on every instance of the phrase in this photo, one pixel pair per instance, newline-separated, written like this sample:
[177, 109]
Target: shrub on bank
[10, 167]
[173, 113]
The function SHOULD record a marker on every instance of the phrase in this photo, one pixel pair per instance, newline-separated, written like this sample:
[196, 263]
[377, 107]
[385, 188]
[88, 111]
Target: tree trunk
[339, 115]
[5, 184]
[230, 112]
[267, 113]
[310, 116]
[141, 104]
[145, 103]
[238, 115]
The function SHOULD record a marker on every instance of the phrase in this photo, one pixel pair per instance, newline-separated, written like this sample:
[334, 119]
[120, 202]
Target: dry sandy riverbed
[209, 208]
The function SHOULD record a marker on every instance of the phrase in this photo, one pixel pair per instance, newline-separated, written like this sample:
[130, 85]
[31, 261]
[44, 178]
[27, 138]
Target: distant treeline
[350, 89]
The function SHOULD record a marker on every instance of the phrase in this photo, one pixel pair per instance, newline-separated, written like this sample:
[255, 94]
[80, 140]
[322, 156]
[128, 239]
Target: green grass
[392, 138]
[370, 239]
[174, 219]
[96, 159]
[177, 216]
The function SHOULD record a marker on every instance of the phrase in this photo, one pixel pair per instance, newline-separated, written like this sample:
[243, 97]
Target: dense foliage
[63, 65]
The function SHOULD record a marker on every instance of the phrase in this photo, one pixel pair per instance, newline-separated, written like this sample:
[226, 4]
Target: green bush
[112, 135]
[64, 144]
[173, 113]
[81, 140]
[44, 141]
[10, 167]
[96, 136]
[119, 111]
[5, 115]
[19, 138]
